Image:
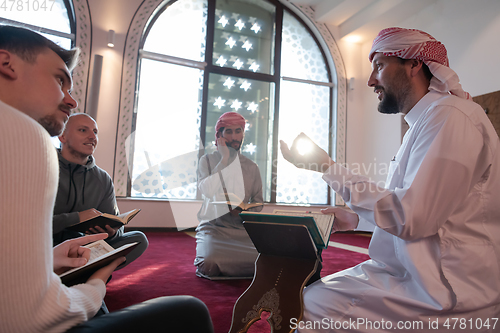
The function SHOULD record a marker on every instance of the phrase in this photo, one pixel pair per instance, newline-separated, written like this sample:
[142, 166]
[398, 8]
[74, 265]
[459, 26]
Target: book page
[251, 205]
[98, 249]
[129, 215]
[222, 198]
[112, 217]
[123, 218]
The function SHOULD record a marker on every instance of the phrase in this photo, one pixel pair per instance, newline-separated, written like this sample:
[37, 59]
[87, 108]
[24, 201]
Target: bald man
[435, 249]
[85, 189]
[223, 247]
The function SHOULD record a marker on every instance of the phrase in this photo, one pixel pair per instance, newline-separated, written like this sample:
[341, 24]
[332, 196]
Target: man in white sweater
[35, 84]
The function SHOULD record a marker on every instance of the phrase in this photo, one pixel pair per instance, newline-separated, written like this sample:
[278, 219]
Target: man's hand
[235, 212]
[345, 220]
[223, 148]
[70, 253]
[105, 272]
[88, 214]
[97, 230]
[311, 158]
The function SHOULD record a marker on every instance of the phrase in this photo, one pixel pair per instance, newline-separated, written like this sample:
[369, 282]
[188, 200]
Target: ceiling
[361, 20]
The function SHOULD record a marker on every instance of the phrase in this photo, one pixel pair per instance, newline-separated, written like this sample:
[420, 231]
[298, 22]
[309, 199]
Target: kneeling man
[223, 247]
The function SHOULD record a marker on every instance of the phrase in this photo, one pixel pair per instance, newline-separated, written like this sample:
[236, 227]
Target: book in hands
[233, 201]
[319, 225]
[101, 255]
[114, 221]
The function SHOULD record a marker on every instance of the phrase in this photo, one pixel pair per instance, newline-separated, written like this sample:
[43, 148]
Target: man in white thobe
[223, 247]
[435, 250]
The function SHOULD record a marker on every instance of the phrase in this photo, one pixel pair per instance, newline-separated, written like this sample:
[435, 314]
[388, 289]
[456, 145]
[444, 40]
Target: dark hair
[427, 71]
[27, 44]
[425, 68]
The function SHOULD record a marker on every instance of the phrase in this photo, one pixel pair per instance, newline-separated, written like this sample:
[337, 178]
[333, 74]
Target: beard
[77, 154]
[395, 94]
[52, 125]
[234, 147]
[389, 104]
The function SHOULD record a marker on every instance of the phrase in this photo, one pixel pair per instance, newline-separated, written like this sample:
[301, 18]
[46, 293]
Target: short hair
[76, 114]
[28, 44]
[81, 114]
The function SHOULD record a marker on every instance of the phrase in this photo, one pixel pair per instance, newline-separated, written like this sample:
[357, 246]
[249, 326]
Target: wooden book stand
[287, 259]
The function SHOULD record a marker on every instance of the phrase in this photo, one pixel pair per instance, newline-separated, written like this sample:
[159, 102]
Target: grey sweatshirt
[82, 187]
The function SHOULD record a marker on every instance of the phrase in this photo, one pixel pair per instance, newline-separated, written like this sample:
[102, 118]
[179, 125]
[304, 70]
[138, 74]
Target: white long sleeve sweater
[32, 298]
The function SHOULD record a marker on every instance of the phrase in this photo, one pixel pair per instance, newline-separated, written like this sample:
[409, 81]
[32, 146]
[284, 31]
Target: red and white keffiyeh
[229, 119]
[416, 44]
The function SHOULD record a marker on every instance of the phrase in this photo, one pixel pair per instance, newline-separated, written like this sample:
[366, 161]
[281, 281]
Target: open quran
[319, 225]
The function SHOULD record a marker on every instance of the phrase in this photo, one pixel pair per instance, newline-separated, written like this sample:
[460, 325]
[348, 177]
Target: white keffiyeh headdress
[416, 44]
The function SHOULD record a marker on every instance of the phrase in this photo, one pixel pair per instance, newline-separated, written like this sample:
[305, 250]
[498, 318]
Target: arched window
[201, 58]
[52, 18]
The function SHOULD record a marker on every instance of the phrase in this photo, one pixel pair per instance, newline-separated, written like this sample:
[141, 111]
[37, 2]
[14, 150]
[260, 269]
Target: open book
[114, 221]
[101, 254]
[234, 202]
[319, 225]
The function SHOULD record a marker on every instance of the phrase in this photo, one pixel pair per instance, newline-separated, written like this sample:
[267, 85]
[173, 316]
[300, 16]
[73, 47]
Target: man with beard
[85, 190]
[435, 248]
[223, 247]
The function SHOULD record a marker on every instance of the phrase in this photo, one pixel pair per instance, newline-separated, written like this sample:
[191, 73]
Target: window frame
[323, 39]
[72, 24]
[82, 40]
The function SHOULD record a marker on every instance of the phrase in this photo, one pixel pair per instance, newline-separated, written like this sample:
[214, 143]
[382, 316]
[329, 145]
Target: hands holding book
[93, 213]
[105, 272]
[72, 254]
[99, 230]
[305, 154]
[236, 212]
[93, 221]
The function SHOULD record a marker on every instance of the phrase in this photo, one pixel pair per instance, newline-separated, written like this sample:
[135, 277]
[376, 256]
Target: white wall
[469, 29]
[109, 15]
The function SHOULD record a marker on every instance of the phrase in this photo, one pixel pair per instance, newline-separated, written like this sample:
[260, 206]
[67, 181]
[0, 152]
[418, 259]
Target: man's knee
[207, 267]
[141, 238]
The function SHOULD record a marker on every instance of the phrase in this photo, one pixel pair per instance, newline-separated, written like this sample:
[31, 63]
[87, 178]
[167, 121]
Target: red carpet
[166, 268]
